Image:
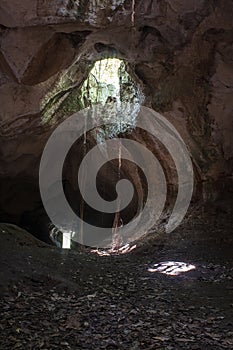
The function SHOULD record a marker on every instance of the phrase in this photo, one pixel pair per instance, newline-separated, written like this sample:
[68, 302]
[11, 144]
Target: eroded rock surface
[180, 52]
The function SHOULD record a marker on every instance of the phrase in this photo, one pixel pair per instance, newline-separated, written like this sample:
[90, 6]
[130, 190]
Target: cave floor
[80, 300]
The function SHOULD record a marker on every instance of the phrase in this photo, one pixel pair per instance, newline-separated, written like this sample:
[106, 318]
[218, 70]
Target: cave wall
[180, 52]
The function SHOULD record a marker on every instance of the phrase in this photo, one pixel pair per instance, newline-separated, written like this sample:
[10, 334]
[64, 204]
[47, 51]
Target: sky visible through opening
[107, 72]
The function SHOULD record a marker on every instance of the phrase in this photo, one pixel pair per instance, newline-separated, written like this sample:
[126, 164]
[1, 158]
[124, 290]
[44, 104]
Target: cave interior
[136, 81]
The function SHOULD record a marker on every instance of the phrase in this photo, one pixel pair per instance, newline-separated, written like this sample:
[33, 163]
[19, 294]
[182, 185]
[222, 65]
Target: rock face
[180, 52]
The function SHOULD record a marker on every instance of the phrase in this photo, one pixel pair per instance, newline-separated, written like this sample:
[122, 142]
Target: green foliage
[108, 84]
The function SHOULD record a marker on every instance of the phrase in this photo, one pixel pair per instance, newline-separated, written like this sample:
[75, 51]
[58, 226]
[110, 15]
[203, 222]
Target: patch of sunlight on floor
[122, 250]
[171, 268]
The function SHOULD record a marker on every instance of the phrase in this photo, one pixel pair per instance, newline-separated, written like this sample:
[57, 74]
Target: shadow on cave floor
[78, 300]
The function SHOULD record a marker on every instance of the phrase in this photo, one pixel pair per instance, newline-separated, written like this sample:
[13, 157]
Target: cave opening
[110, 85]
[103, 82]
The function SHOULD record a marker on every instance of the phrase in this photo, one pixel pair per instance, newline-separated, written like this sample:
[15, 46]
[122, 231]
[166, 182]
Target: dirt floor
[80, 300]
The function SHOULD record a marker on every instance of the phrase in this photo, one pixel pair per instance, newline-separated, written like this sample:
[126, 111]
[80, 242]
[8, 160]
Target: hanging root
[133, 13]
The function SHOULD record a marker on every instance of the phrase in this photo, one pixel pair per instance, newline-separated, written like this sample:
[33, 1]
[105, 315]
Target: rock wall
[180, 52]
